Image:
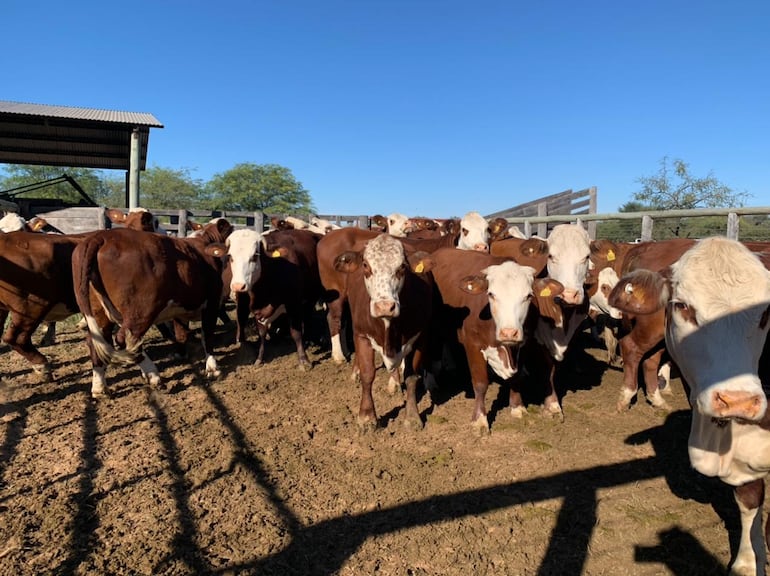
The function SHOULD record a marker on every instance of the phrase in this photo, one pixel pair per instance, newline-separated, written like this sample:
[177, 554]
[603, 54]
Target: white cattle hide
[568, 249]
[474, 233]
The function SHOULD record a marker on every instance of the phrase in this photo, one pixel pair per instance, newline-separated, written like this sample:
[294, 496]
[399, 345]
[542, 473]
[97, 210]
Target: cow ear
[604, 249]
[278, 252]
[216, 249]
[474, 284]
[420, 262]
[533, 247]
[194, 226]
[640, 292]
[348, 261]
[224, 227]
[544, 292]
[546, 288]
[116, 216]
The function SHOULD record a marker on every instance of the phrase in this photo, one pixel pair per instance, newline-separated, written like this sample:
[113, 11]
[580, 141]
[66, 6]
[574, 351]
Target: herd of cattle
[409, 289]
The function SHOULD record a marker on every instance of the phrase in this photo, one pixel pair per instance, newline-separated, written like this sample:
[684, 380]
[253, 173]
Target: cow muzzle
[571, 296]
[238, 287]
[385, 309]
[479, 247]
[509, 336]
[738, 404]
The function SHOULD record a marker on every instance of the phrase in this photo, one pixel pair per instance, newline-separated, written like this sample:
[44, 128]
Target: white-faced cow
[485, 301]
[134, 280]
[391, 308]
[717, 319]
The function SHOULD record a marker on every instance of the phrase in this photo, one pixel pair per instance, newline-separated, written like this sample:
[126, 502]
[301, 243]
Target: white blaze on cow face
[509, 290]
[607, 278]
[474, 233]
[398, 225]
[244, 248]
[568, 249]
[384, 265]
[716, 328]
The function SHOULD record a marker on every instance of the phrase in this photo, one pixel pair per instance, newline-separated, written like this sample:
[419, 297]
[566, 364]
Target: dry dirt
[264, 472]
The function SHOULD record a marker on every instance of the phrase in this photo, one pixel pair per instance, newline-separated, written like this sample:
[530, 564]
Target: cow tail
[89, 276]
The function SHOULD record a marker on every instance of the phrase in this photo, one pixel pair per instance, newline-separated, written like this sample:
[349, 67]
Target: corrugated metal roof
[74, 113]
[66, 136]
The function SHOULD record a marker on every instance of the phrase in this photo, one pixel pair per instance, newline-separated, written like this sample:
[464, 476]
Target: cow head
[606, 280]
[474, 233]
[398, 225]
[717, 322]
[384, 267]
[244, 250]
[568, 251]
[508, 286]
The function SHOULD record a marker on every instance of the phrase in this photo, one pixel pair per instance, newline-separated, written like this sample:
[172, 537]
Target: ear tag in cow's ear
[420, 268]
[276, 254]
[610, 255]
[545, 292]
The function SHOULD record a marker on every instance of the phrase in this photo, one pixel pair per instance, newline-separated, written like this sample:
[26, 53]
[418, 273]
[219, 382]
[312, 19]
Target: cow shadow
[669, 442]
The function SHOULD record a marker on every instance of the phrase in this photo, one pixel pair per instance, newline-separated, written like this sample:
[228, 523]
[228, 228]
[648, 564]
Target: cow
[717, 312]
[605, 318]
[486, 301]
[128, 278]
[271, 273]
[391, 309]
[136, 219]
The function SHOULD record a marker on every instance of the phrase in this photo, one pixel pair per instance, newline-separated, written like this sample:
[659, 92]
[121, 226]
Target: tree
[22, 174]
[160, 188]
[674, 188]
[267, 187]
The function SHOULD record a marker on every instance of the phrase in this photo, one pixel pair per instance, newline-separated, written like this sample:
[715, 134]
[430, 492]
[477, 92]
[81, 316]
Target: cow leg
[208, 326]
[611, 343]
[650, 367]
[631, 359]
[412, 416]
[750, 559]
[664, 378]
[295, 329]
[262, 332]
[149, 370]
[551, 406]
[367, 417]
[480, 380]
[18, 335]
[49, 338]
[334, 319]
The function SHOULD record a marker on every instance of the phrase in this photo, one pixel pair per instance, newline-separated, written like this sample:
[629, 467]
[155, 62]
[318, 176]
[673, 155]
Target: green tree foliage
[674, 188]
[22, 174]
[160, 188]
[267, 187]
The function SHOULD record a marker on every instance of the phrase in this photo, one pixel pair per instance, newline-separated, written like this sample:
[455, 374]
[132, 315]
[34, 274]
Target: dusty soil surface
[264, 472]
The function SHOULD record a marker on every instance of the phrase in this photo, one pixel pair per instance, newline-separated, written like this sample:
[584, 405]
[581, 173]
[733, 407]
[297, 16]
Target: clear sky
[425, 107]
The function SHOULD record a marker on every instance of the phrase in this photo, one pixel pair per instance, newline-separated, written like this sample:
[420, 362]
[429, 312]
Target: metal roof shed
[48, 135]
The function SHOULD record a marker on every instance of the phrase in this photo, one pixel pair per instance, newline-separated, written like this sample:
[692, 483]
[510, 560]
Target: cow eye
[680, 306]
[491, 295]
[465, 231]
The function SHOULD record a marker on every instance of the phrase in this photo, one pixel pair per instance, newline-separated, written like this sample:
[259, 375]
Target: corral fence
[746, 224]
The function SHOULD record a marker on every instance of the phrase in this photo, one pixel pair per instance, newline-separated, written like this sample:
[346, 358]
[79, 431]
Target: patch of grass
[436, 419]
[538, 445]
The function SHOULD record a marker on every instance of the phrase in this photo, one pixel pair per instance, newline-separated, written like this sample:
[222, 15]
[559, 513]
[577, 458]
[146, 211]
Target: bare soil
[264, 472]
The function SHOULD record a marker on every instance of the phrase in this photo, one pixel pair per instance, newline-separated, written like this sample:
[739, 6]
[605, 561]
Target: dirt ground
[264, 472]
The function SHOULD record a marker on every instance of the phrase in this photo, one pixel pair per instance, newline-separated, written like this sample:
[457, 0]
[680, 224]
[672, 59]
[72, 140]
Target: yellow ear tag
[419, 268]
[610, 255]
[276, 254]
[545, 291]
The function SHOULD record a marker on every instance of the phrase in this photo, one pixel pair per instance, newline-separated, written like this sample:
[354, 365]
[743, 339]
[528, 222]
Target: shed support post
[133, 171]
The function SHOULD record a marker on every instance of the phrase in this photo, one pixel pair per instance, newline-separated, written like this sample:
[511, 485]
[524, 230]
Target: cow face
[607, 279]
[568, 250]
[244, 248]
[716, 325]
[384, 265]
[398, 225]
[509, 289]
[474, 233]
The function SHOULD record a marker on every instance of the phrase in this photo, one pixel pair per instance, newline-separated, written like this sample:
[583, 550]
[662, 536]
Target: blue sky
[425, 107]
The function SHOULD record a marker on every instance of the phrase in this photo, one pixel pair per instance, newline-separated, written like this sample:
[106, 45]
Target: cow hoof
[213, 374]
[305, 366]
[624, 402]
[339, 360]
[554, 411]
[367, 425]
[480, 426]
[100, 395]
[413, 423]
[518, 412]
[43, 371]
[394, 387]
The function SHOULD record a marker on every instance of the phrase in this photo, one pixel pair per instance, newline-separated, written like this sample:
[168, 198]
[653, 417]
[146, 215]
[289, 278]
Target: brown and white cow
[485, 301]
[134, 280]
[717, 318]
[268, 273]
[391, 309]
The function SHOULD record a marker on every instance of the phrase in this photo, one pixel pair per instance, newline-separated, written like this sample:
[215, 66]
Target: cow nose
[572, 296]
[481, 247]
[238, 287]
[510, 335]
[385, 309]
[737, 404]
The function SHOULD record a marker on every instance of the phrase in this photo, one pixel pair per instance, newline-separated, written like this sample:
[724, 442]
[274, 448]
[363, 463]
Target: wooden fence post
[647, 224]
[732, 225]
[542, 228]
[592, 209]
[363, 222]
